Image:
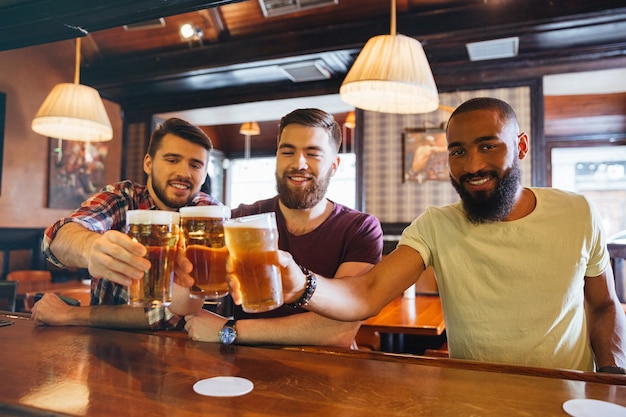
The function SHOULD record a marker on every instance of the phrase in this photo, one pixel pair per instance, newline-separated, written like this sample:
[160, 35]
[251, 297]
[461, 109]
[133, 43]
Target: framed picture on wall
[76, 171]
[424, 155]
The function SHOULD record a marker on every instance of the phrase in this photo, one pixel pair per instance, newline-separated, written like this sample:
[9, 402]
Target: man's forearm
[71, 245]
[300, 329]
[106, 316]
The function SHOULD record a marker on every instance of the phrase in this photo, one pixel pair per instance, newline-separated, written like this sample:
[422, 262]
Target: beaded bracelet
[309, 289]
[612, 370]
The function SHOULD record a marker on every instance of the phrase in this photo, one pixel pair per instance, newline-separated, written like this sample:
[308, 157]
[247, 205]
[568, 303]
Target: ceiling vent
[494, 49]
[306, 71]
[277, 7]
[148, 24]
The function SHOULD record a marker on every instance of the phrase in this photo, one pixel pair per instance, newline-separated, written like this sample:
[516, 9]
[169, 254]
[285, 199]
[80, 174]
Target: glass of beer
[252, 242]
[158, 231]
[202, 232]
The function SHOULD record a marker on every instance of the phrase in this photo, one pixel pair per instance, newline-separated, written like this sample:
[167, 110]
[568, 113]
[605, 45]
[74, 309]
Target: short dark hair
[505, 111]
[182, 129]
[313, 118]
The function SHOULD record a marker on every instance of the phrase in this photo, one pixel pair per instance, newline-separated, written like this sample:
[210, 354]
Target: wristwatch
[228, 334]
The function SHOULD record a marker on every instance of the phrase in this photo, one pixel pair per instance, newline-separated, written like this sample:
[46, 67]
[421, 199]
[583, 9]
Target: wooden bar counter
[57, 371]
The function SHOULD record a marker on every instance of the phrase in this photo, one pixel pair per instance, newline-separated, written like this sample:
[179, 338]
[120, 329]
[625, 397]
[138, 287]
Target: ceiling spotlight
[189, 32]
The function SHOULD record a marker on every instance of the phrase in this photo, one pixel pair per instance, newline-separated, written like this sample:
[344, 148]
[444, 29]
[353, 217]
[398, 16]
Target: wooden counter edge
[421, 360]
[471, 365]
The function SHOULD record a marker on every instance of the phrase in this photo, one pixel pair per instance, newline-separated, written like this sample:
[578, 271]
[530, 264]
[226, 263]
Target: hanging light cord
[77, 65]
[59, 149]
[246, 150]
[393, 17]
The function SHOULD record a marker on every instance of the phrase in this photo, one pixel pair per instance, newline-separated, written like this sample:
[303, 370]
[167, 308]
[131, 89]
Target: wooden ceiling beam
[138, 106]
[444, 32]
[33, 22]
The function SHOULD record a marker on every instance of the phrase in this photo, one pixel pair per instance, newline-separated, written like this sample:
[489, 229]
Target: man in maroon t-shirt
[323, 236]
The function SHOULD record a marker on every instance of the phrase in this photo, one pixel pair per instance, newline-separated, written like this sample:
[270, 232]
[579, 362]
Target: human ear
[522, 145]
[147, 164]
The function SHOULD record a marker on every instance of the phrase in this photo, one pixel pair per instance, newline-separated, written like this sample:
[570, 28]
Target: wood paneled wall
[585, 115]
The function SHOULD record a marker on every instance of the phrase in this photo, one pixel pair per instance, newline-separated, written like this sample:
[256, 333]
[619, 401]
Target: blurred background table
[408, 325]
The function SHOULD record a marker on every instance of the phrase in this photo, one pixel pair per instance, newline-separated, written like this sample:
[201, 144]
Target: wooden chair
[8, 294]
[29, 275]
[441, 352]
[25, 303]
[82, 295]
[367, 339]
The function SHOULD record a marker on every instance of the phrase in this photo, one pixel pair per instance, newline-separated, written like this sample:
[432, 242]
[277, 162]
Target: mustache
[298, 172]
[479, 174]
[183, 180]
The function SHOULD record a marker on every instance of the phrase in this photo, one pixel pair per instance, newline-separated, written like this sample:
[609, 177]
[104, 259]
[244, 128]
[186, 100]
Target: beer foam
[216, 212]
[152, 217]
[255, 221]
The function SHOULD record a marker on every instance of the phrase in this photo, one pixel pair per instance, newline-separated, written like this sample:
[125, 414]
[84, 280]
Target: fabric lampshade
[391, 75]
[350, 121]
[250, 128]
[73, 112]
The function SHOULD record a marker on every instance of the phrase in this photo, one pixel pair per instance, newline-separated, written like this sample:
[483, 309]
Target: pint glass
[158, 231]
[252, 242]
[202, 233]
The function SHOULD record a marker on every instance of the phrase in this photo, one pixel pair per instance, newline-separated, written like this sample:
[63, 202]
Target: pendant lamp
[350, 121]
[348, 124]
[391, 74]
[249, 129]
[73, 112]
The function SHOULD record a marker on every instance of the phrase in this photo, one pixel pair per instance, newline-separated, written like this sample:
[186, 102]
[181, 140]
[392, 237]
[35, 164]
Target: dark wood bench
[19, 239]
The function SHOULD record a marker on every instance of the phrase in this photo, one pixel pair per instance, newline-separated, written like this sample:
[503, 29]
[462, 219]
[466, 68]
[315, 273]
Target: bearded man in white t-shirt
[524, 273]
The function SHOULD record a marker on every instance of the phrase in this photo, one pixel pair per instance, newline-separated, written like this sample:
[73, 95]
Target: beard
[160, 188]
[302, 198]
[490, 206]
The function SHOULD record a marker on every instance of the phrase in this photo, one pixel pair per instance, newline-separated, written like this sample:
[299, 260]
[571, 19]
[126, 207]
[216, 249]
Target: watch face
[228, 335]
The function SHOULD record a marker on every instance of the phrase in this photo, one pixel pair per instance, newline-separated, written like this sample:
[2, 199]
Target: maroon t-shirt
[347, 235]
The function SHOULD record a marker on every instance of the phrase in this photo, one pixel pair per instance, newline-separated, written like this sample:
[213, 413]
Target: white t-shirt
[512, 292]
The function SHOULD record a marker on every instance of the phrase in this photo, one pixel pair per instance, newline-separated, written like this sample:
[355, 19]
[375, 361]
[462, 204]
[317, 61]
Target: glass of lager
[252, 242]
[158, 231]
[202, 234]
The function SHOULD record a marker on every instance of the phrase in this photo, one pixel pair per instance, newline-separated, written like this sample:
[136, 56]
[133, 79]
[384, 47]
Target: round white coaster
[582, 407]
[223, 386]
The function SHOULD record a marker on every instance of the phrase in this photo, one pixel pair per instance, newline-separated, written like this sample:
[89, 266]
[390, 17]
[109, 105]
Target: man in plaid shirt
[93, 237]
